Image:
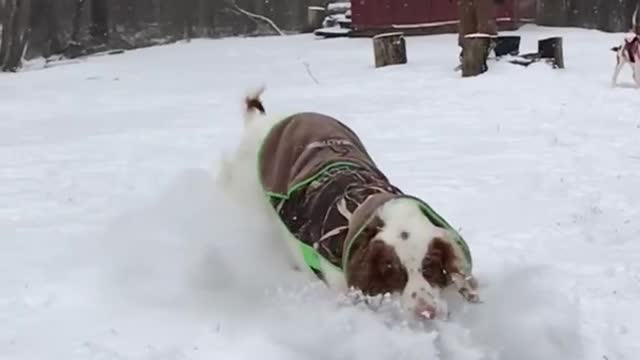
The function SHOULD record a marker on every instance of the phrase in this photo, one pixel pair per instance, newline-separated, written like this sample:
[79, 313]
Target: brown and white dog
[628, 53]
[340, 217]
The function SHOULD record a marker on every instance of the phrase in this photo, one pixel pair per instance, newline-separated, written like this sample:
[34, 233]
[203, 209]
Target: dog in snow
[628, 53]
[341, 218]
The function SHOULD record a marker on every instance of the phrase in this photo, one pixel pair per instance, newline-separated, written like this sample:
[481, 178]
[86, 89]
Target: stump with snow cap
[475, 50]
[389, 49]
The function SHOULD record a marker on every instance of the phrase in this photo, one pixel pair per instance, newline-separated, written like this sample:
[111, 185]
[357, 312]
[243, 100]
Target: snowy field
[116, 244]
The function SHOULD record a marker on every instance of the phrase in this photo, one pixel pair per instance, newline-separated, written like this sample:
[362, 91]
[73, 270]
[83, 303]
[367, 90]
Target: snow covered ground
[116, 244]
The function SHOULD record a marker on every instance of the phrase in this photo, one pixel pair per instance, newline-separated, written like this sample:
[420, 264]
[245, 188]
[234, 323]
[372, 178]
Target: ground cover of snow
[115, 242]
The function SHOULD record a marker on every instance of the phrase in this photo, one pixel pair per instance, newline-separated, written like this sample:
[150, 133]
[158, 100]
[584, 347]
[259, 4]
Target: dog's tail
[253, 104]
[634, 18]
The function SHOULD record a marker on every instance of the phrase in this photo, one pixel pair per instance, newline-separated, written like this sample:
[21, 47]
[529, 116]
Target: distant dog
[628, 53]
[341, 218]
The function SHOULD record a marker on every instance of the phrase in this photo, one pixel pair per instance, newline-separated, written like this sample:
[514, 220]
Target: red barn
[369, 17]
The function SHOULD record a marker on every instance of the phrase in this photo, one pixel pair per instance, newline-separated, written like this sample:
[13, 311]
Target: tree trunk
[389, 49]
[19, 35]
[204, 12]
[45, 29]
[608, 15]
[475, 16]
[476, 51]
[9, 16]
[134, 13]
[190, 8]
[99, 29]
[77, 17]
[552, 12]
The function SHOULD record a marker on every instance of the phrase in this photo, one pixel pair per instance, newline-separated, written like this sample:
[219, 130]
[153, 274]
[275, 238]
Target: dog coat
[312, 167]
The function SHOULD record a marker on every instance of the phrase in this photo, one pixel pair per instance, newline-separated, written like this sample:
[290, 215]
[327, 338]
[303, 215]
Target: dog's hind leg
[616, 72]
[636, 73]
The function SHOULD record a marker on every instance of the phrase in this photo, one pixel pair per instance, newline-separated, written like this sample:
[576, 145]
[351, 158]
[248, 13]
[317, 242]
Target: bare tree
[9, 14]
[72, 28]
[77, 18]
[45, 29]
[552, 12]
[16, 29]
[99, 28]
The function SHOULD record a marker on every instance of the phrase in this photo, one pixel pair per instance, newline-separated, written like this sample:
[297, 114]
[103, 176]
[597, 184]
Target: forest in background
[605, 15]
[73, 28]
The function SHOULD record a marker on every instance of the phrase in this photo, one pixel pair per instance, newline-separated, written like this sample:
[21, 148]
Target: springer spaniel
[340, 216]
[628, 53]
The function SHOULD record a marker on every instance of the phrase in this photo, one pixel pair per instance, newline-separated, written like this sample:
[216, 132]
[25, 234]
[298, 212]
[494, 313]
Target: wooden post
[315, 17]
[551, 48]
[507, 45]
[475, 53]
[389, 49]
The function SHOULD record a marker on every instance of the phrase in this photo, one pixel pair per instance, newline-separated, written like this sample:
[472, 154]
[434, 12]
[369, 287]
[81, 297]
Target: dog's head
[401, 251]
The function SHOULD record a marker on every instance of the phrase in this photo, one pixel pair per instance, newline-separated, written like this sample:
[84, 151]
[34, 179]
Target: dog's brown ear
[376, 269]
[438, 262]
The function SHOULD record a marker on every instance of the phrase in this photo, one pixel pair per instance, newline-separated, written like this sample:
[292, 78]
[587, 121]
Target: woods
[606, 15]
[73, 28]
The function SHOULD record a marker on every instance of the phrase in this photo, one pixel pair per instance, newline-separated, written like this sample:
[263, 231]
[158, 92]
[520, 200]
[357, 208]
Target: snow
[117, 244]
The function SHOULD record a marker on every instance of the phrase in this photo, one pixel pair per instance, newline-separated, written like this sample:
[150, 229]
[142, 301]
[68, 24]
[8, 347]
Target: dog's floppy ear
[253, 104]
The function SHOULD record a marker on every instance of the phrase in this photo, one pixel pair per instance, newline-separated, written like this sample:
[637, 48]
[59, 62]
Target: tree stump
[475, 51]
[507, 45]
[315, 17]
[389, 49]
[551, 48]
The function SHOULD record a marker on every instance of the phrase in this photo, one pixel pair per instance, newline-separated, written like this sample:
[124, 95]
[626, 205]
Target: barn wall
[385, 13]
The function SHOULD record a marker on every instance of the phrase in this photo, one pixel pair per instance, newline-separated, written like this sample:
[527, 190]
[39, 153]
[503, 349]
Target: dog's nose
[425, 309]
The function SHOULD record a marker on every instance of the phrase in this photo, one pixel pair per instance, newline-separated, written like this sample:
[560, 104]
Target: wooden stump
[315, 17]
[475, 51]
[551, 48]
[389, 49]
[507, 45]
